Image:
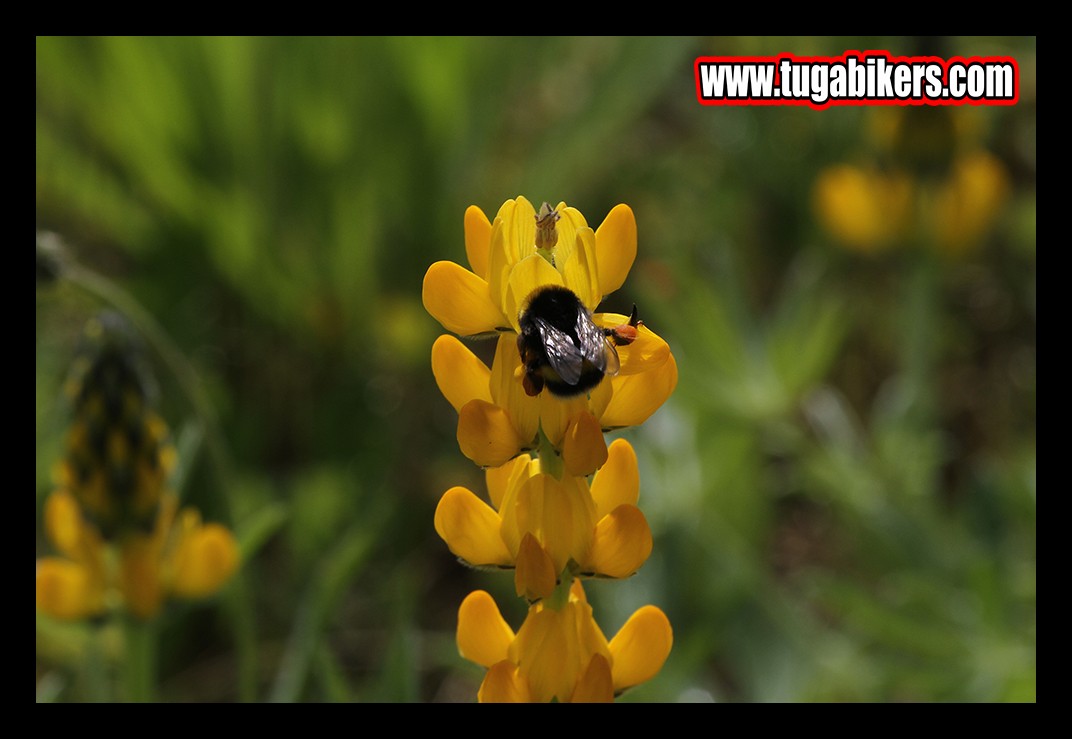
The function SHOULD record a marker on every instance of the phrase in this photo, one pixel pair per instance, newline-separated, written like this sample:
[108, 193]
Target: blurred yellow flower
[938, 188]
[560, 655]
[123, 541]
[541, 525]
[865, 210]
[184, 558]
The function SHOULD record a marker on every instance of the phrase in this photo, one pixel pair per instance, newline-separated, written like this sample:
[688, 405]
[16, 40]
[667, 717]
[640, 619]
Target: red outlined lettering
[855, 78]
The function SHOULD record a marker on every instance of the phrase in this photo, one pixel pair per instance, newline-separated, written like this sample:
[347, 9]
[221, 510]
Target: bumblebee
[561, 347]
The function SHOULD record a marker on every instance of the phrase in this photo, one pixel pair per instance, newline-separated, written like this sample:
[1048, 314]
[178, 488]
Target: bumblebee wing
[562, 354]
[593, 341]
[613, 363]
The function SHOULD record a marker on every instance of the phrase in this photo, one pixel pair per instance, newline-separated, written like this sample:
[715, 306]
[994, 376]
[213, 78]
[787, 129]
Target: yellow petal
[616, 247]
[508, 392]
[577, 594]
[486, 435]
[139, 576]
[600, 398]
[511, 532]
[596, 685]
[584, 450]
[547, 654]
[647, 352]
[470, 529]
[460, 300]
[570, 222]
[483, 636]
[535, 577]
[558, 414]
[636, 397]
[68, 590]
[205, 559]
[622, 543]
[640, 648]
[618, 481]
[504, 684]
[520, 222]
[63, 523]
[477, 240]
[513, 237]
[501, 478]
[530, 273]
[579, 270]
[459, 373]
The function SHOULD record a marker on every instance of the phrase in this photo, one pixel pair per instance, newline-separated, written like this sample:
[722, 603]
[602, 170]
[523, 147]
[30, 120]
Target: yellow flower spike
[483, 635]
[470, 529]
[621, 545]
[477, 240]
[459, 373]
[640, 648]
[460, 300]
[618, 481]
[68, 590]
[504, 684]
[546, 521]
[535, 577]
[596, 685]
[636, 397]
[584, 450]
[486, 434]
[616, 247]
[205, 559]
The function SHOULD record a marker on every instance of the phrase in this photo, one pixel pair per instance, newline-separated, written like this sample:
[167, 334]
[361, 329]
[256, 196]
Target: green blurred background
[841, 489]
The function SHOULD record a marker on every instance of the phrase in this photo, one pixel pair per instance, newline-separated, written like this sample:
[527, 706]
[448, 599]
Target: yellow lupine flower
[541, 525]
[506, 268]
[560, 654]
[497, 419]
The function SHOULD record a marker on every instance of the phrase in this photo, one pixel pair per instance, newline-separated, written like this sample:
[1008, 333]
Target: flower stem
[550, 461]
[139, 660]
[560, 597]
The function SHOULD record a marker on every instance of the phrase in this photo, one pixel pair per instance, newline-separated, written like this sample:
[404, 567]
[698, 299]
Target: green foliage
[841, 490]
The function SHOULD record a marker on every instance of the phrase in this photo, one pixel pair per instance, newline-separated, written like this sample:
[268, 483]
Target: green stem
[94, 667]
[139, 660]
[560, 597]
[550, 461]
